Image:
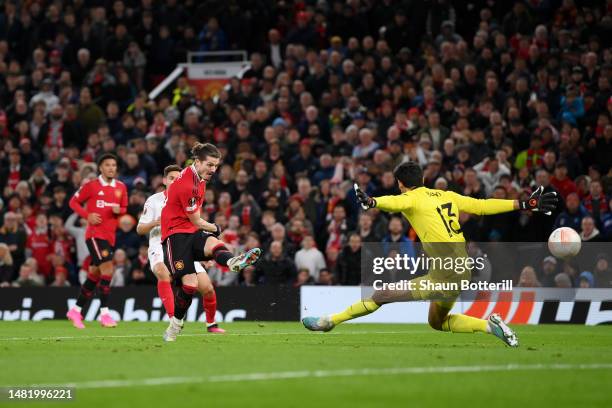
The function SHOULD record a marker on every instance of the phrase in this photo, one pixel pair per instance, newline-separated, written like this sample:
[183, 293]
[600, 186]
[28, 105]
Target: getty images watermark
[432, 271]
[449, 273]
[465, 271]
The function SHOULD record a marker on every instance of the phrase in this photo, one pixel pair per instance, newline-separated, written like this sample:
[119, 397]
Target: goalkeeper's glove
[540, 201]
[365, 200]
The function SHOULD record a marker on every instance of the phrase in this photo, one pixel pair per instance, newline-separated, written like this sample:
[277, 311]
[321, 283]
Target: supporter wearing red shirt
[596, 202]
[39, 244]
[563, 184]
[62, 243]
[105, 200]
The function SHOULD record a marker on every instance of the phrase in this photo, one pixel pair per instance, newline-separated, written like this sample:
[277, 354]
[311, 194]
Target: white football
[564, 243]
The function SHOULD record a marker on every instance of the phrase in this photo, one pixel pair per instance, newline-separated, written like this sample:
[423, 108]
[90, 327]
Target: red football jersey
[185, 196]
[40, 245]
[101, 197]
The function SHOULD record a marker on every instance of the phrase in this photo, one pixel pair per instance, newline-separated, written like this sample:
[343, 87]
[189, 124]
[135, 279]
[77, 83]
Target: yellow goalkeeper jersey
[434, 214]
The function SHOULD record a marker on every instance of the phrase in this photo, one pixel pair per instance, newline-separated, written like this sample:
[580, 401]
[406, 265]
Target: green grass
[33, 353]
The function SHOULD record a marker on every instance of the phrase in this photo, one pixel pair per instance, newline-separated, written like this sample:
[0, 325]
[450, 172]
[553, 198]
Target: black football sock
[87, 290]
[221, 254]
[182, 301]
[104, 288]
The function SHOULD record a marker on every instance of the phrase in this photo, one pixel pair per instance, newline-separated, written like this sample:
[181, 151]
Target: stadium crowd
[491, 98]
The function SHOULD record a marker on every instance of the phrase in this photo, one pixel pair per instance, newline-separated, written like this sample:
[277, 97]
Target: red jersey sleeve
[124, 200]
[82, 195]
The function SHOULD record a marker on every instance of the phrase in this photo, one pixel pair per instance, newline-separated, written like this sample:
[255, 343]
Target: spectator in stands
[6, 266]
[528, 278]
[247, 277]
[561, 182]
[60, 277]
[38, 245]
[563, 281]
[13, 172]
[365, 229]
[276, 268]
[28, 275]
[325, 278]
[490, 171]
[348, 265]
[573, 215]
[212, 37]
[602, 272]
[589, 233]
[549, 270]
[13, 235]
[123, 269]
[310, 258]
[89, 115]
[396, 239]
[596, 202]
[586, 280]
[303, 278]
[127, 238]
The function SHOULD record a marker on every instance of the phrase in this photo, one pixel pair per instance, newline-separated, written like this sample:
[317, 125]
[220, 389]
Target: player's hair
[203, 150]
[410, 174]
[169, 169]
[107, 156]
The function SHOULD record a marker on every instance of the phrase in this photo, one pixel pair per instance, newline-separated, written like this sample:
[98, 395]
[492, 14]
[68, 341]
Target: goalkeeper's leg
[441, 319]
[358, 309]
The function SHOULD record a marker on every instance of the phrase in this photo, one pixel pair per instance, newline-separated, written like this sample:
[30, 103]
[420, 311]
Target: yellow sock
[361, 308]
[459, 323]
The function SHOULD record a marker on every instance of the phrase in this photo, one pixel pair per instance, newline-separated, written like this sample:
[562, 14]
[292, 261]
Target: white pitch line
[130, 336]
[349, 372]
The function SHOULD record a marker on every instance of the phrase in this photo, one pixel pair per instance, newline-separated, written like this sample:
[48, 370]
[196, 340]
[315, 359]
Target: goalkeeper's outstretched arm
[538, 201]
[400, 203]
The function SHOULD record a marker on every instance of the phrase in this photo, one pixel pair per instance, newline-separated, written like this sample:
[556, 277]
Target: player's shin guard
[210, 306]
[184, 295]
[87, 290]
[221, 254]
[164, 291]
[361, 308]
[104, 287]
[460, 323]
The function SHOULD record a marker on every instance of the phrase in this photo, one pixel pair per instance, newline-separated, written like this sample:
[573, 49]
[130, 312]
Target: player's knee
[190, 280]
[379, 297]
[106, 268]
[435, 322]
[162, 273]
[206, 288]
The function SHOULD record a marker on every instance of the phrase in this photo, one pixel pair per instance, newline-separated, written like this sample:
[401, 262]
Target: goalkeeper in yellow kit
[434, 215]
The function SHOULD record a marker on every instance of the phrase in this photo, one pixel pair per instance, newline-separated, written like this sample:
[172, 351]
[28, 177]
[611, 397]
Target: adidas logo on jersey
[100, 193]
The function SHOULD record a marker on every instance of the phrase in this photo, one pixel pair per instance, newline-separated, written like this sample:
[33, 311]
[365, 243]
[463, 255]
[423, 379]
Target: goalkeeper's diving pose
[434, 215]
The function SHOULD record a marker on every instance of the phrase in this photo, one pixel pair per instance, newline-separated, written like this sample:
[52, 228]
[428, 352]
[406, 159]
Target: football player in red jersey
[149, 223]
[106, 200]
[187, 238]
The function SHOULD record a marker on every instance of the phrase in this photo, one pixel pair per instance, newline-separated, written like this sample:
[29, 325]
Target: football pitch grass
[283, 365]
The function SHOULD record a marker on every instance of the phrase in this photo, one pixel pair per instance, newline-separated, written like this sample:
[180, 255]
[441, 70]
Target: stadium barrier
[142, 304]
[278, 303]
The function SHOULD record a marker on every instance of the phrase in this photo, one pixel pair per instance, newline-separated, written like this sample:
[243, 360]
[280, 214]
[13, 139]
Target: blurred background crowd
[490, 97]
